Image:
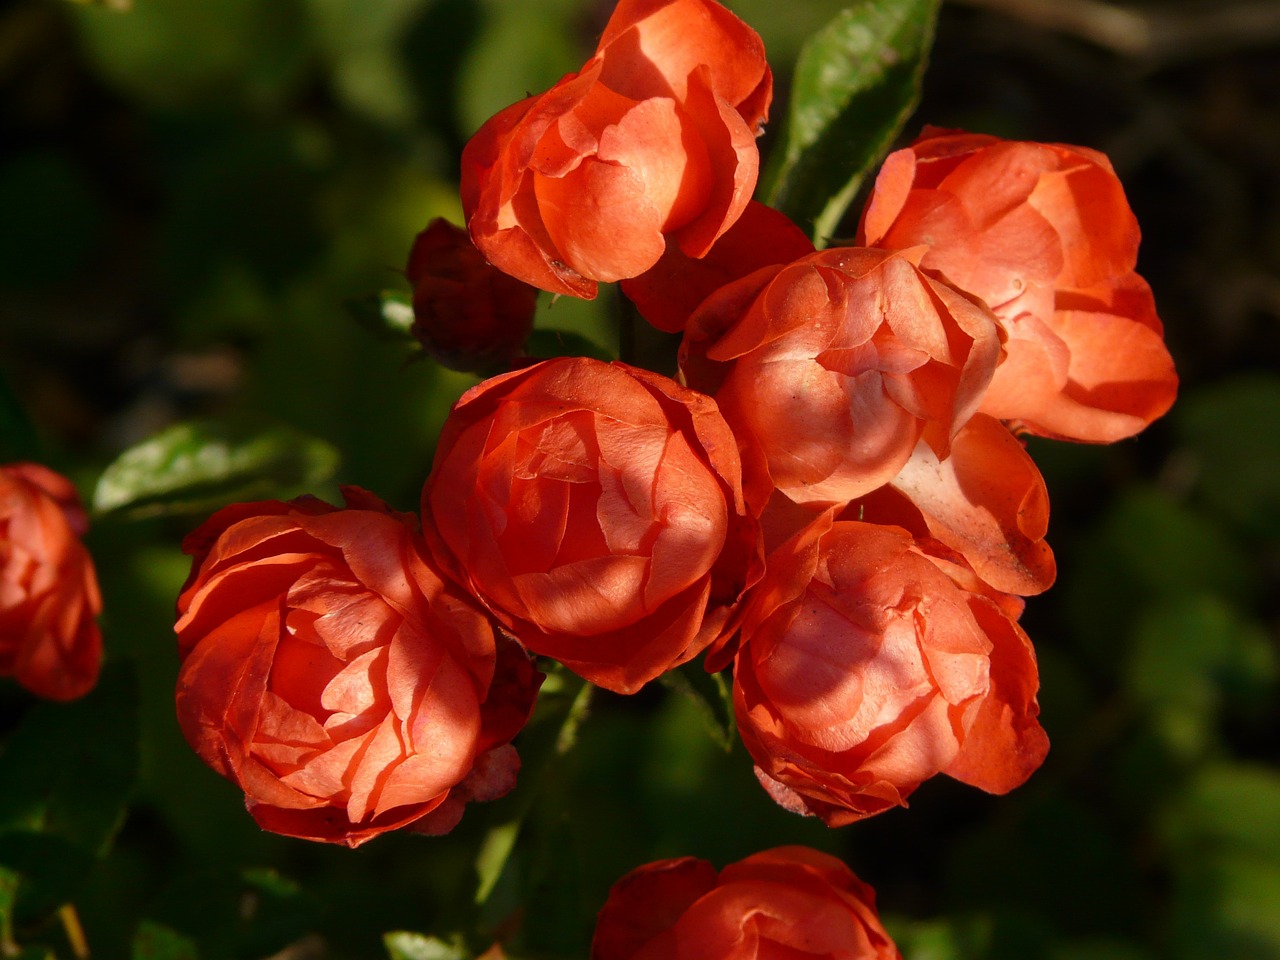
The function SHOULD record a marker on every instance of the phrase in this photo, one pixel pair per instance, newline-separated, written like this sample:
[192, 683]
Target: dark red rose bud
[468, 314]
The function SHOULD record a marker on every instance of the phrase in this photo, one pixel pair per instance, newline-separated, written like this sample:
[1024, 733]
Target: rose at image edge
[597, 510]
[785, 901]
[50, 641]
[651, 144]
[866, 667]
[336, 678]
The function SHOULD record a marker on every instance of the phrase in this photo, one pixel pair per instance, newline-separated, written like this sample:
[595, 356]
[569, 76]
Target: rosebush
[331, 674]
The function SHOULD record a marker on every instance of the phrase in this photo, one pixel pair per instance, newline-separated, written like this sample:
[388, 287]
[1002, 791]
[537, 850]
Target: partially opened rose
[832, 368]
[789, 902]
[864, 669]
[331, 674]
[597, 510]
[651, 143]
[1044, 235]
[49, 599]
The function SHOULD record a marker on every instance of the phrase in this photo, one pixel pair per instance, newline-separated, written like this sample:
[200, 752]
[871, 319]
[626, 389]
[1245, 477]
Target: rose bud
[651, 143]
[986, 501]
[467, 314]
[49, 599]
[832, 368]
[671, 290]
[789, 902]
[597, 510]
[1044, 235]
[864, 669]
[331, 674]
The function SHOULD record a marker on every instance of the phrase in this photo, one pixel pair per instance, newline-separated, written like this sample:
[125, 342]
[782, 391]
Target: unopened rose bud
[468, 314]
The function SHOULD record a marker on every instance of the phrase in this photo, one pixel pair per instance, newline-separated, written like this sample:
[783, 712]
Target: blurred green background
[198, 200]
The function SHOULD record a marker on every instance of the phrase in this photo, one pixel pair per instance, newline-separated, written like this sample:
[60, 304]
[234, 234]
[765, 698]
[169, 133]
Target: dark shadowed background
[197, 200]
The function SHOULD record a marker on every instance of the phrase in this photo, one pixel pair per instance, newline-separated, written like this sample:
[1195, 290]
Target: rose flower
[1044, 235]
[468, 314]
[331, 674]
[986, 500]
[865, 668]
[597, 510]
[790, 902]
[651, 142]
[668, 293]
[830, 369]
[49, 599]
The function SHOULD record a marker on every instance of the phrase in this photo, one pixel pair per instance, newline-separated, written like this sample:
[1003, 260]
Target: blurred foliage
[195, 194]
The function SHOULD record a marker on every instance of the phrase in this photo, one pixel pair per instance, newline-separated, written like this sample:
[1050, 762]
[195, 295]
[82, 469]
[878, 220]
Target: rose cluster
[833, 498]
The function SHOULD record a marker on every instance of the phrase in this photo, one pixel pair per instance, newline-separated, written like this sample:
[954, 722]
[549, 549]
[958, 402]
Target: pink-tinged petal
[1006, 743]
[988, 502]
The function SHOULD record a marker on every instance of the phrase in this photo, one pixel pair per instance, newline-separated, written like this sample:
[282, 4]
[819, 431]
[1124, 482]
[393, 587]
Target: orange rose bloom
[49, 599]
[1044, 235]
[987, 501]
[652, 141]
[332, 675]
[830, 369]
[668, 294]
[597, 510]
[865, 668]
[468, 314]
[790, 902]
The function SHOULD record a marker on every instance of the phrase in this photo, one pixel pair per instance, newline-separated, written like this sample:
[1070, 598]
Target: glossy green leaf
[153, 941]
[201, 465]
[856, 83]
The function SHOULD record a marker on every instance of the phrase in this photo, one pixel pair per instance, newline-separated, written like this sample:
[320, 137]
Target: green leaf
[153, 941]
[201, 465]
[404, 945]
[856, 83]
[711, 697]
